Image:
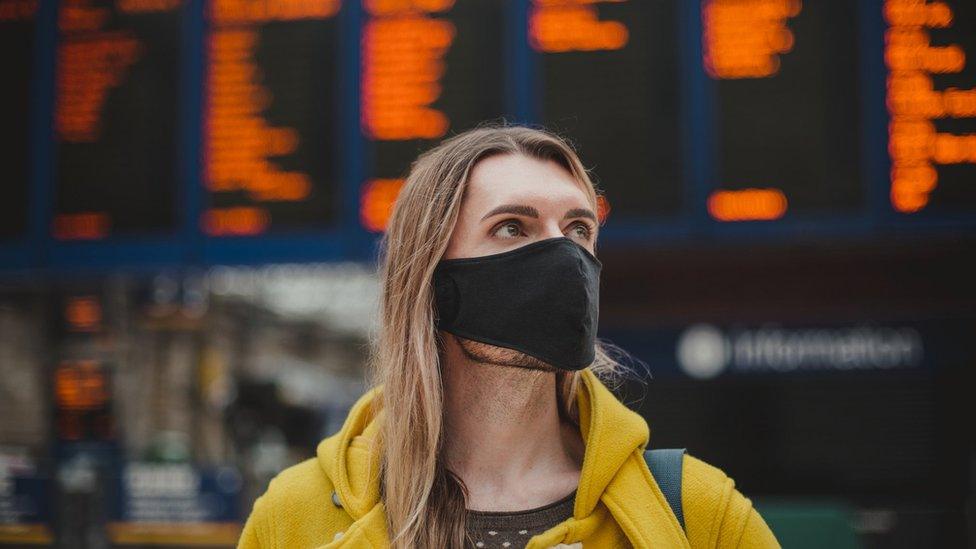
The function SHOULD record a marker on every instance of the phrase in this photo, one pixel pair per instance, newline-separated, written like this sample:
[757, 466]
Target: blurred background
[193, 192]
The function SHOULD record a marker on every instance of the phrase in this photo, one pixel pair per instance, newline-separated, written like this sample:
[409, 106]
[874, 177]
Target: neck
[503, 433]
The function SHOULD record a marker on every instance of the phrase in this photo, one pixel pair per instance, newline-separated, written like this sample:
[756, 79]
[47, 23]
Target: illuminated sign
[17, 25]
[83, 314]
[376, 204]
[176, 504]
[788, 118]
[744, 39]
[167, 132]
[115, 118]
[561, 26]
[403, 58]
[704, 351]
[747, 204]
[932, 103]
[270, 161]
[430, 68]
[707, 351]
[82, 399]
[609, 80]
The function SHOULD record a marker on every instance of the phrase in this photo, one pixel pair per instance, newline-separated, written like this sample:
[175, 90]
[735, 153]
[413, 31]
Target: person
[490, 422]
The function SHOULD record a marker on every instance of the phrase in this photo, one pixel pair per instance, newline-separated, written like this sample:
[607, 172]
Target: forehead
[516, 178]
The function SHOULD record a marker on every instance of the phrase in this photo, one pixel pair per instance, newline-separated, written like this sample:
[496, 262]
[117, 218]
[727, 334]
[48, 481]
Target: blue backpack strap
[665, 465]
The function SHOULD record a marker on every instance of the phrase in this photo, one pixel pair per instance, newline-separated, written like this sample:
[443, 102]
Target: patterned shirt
[512, 529]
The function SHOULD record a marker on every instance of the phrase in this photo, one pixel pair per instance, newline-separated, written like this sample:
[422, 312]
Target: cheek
[453, 248]
[461, 241]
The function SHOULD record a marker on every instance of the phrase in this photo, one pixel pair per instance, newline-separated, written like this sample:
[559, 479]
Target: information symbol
[702, 351]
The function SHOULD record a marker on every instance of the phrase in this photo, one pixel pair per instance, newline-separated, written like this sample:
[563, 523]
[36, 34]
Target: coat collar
[613, 472]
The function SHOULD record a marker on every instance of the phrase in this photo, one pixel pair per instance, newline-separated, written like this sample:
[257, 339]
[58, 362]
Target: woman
[488, 424]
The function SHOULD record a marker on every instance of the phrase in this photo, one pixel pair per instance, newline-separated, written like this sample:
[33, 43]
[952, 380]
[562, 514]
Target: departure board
[17, 29]
[116, 118]
[609, 81]
[430, 69]
[788, 120]
[930, 54]
[282, 130]
[270, 158]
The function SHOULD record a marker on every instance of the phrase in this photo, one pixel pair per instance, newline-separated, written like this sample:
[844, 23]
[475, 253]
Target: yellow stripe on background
[174, 533]
[36, 534]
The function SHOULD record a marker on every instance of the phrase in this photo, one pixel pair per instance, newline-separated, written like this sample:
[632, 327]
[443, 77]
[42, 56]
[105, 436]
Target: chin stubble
[471, 350]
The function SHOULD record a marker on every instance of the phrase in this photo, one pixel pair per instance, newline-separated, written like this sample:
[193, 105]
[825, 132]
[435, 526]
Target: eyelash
[586, 226]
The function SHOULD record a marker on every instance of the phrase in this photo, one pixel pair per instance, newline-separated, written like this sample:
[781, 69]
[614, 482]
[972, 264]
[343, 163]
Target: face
[512, 200]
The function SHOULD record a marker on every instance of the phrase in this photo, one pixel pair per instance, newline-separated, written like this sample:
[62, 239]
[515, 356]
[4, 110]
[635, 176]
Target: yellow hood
[332, 500]
[617, 500]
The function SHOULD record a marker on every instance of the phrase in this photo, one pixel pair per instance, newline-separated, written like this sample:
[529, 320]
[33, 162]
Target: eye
[581, 230]
[508, 229]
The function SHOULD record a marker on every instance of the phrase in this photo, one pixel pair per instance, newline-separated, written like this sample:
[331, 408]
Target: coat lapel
[640, 508]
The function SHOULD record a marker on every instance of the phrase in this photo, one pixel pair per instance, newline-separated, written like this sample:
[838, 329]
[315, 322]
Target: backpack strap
[665, 466]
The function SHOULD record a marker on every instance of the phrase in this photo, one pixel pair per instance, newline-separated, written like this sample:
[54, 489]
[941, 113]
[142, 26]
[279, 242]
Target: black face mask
[541, 299]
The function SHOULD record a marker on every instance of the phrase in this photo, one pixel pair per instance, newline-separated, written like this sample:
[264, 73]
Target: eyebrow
[529, 211]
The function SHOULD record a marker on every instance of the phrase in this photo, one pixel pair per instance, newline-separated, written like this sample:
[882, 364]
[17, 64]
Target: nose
[551, 230]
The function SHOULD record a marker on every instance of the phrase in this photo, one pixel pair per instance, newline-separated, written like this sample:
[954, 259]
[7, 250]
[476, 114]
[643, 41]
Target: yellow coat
[618, 503]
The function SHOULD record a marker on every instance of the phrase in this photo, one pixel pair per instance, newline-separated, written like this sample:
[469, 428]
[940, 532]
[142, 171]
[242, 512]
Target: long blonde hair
[425, 502]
